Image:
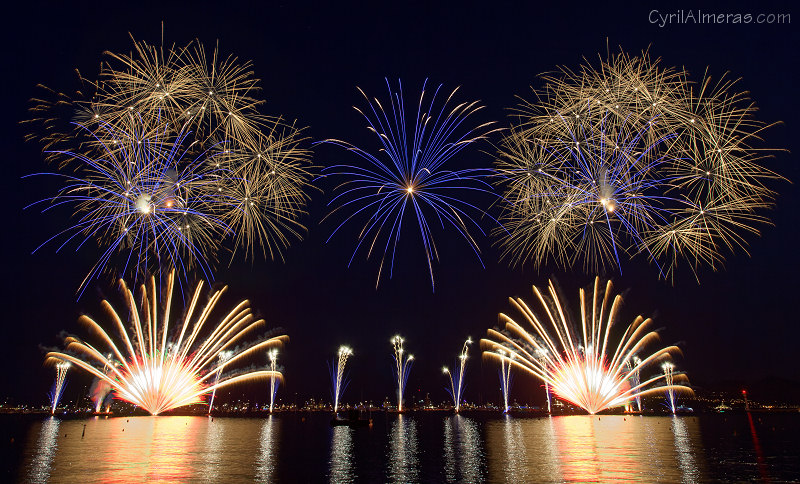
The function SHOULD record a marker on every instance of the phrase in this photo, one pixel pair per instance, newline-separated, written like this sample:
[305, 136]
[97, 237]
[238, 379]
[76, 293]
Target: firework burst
[630, 158]
[411, 176]
[583, 367]
[159, 368]
[175, 135]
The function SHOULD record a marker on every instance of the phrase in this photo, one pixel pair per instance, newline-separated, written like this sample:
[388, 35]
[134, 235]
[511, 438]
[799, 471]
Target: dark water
[405, 448]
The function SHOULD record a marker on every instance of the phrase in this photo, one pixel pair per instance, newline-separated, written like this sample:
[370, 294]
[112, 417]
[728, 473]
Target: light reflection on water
[268, 445]
[214, 456]
[685, 448]
[341, 462]
[593, 449]
[528, 458]
[46, 442]
[403, 462]
[399, 448]
[463, 453]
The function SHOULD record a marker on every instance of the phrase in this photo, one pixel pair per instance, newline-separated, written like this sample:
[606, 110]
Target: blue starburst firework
[411, 173]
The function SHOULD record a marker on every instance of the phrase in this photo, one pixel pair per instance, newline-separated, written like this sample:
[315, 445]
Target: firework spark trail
[457, 382]
[338, 378]
[630, 158]
[58, 385]
[669, 372]
[273, 381]
[168, 155]
[635, 378]
[402, 368]
[415, 179]
[505, 376]
[582, 367]
[223, 357]
[160, 368]
[542, 353]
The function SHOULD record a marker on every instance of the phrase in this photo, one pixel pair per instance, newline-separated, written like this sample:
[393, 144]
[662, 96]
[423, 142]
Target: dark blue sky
[739, 322]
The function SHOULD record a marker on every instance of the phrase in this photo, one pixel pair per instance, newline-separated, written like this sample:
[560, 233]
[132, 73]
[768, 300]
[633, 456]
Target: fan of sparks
[583, 367]
[630, 158]
[412, 174]
[166, 365]
[167, 155]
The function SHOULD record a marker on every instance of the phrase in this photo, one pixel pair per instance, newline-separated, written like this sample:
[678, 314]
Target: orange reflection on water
[153, 448]
[592, 448]
[585, 448]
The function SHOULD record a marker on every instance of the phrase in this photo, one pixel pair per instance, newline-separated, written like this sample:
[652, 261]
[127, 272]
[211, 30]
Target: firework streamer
[402, 368]
[339, 380]
[58, 385]
[273, 381]
[158, 367]
[457, 381]
[505, 376]
[542, 353]
[636, 379]
[669, 372]
[222, 358]
[583, 366]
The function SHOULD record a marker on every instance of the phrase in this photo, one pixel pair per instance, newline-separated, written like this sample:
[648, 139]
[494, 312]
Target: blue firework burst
[411, 175]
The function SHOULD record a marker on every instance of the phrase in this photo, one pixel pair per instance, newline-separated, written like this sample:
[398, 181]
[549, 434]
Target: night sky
[738, 323]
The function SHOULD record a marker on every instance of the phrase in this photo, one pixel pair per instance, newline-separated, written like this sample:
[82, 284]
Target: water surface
[422, 447]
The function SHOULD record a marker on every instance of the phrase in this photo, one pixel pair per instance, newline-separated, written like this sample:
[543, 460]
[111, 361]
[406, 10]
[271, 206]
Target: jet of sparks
[338, 378]
[402, 368]
[457, 381]
[160, 368]
[583, 367]
[58, 385]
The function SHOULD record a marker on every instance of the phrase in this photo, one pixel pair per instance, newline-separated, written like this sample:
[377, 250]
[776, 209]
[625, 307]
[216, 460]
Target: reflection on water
[463, 455]
[214, 450]
[684, 449]
[522, 450]
[594, 449]
[422, 447]
[46, 446]
[403, 462]
[171, 439]
[341, 462]
[268, 444]
[762, 468]
[152, 449]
